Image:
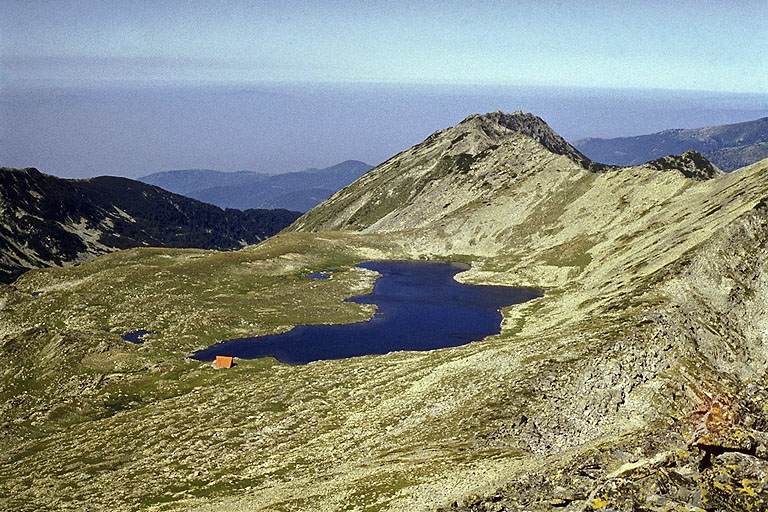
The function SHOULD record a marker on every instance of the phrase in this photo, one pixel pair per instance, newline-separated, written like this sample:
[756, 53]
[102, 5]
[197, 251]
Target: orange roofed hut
[224, 361]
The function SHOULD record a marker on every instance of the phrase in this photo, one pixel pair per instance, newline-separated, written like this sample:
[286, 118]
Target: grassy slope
[88, 418]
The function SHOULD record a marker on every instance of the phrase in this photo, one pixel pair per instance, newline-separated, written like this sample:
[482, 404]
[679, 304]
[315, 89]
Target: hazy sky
[131, 87]
[683, 44]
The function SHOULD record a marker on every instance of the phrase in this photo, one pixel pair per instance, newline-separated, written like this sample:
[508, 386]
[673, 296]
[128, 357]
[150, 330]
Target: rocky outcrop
[529, 125]
[690, 164]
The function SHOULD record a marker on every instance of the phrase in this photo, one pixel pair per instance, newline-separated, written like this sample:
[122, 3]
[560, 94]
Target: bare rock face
[531, 126]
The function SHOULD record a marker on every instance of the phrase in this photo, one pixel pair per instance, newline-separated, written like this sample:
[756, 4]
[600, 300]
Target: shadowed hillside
[49, 221]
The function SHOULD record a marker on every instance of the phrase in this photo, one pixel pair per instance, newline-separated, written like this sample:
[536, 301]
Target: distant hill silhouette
[298, 191]
[728, 146]
[185, 181]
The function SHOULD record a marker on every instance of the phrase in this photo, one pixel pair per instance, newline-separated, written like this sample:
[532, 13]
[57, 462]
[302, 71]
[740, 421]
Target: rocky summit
[637, 382]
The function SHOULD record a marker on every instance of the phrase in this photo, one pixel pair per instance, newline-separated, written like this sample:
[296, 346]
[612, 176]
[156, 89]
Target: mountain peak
[499, 124]
[516, 121]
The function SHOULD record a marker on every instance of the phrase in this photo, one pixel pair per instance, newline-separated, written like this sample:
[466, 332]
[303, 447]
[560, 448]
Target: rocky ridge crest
[500, 124]
[465, 169]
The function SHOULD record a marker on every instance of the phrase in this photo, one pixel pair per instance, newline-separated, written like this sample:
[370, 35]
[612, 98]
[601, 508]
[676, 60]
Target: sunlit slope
[452, 169]
[645, 358]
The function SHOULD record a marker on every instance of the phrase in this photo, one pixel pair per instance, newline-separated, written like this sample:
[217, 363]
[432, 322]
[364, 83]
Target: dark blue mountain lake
[136, 336]
[420, 307]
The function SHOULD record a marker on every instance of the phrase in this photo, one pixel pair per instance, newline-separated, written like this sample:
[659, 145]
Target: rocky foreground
[638, 382]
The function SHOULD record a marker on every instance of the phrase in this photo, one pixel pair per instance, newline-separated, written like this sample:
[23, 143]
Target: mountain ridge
[482, 155]
[299, 191]
[52, 221]
[639, 381]
[728, 146]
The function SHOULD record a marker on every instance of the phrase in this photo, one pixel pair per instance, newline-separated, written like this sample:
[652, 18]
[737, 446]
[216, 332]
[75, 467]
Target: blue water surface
[420, 306]
[322, 275]
[136, 336]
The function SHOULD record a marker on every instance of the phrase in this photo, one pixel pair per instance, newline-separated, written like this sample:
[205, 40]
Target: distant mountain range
[47, 221]
[728, 146]
[298, 191]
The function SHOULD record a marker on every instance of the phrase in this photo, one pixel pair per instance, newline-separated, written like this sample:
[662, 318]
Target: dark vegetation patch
[43, 214]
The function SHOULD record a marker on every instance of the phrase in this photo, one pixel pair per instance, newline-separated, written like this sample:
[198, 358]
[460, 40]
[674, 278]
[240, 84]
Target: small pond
[322, 275]
[420, 306]
[136, 336]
